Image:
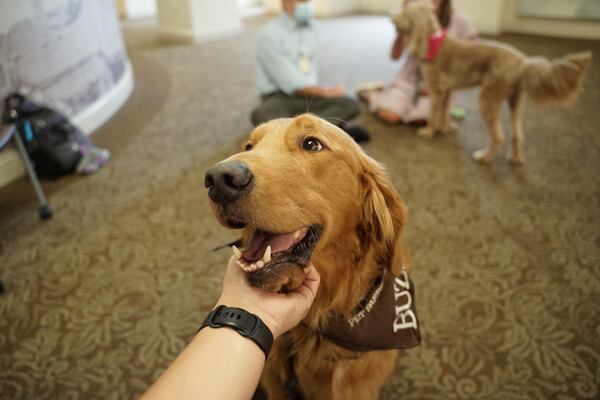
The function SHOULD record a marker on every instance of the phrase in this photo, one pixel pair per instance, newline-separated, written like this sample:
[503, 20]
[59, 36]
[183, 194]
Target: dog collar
[434, 42]
[385, 319]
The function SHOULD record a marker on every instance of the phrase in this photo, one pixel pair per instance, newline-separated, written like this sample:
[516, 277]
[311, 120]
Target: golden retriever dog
[302, 190]
[503, 72]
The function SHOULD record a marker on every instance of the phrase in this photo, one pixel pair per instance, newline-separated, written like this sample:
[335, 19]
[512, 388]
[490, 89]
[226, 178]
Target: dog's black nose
[228, 181]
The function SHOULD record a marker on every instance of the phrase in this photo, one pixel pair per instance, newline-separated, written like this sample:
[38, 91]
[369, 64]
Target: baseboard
[187, 35]
[11, 165]
[175, 33]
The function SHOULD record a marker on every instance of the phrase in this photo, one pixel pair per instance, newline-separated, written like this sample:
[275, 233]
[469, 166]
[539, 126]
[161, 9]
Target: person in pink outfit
[404, 99]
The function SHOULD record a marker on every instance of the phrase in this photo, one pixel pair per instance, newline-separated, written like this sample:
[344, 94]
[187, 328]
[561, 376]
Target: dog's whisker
[252, 126]
[309, 103]
[335, 119]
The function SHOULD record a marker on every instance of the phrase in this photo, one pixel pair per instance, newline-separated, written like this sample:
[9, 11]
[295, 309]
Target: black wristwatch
[245, 323]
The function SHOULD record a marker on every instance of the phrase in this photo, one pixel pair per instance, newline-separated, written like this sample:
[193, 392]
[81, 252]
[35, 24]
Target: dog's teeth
[267, 255]
[242, 265]
[237, 252]
[260, 264]
[252, 267]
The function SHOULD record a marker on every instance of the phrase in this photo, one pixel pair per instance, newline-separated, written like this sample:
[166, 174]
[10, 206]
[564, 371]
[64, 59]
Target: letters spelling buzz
[405, 317]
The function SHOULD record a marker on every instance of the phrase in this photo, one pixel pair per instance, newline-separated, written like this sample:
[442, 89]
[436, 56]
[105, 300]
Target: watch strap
[245, 323]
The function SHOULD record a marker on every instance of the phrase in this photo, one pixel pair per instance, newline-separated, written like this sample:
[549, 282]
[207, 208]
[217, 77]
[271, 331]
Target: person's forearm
[309, 91]
[218, 364]
[397, 47]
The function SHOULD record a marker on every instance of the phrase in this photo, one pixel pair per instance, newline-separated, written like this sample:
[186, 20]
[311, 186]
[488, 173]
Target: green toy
[458, 113]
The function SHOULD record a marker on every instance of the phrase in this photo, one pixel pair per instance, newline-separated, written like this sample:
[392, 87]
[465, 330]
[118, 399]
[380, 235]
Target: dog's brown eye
[312, 144]
[248, 146]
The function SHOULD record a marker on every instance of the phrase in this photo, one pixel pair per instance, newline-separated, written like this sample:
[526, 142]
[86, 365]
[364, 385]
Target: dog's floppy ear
[383, 217]
[422, 23]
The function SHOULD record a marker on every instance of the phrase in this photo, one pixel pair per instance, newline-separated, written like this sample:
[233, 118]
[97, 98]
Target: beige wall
[486, 15]
[132, 9]
[490, 16]
[200, 20]
[323, 8]
[121, 9]
[272, 6]
[496, 16]
[379, 6]
[328, 8]
[174, 18]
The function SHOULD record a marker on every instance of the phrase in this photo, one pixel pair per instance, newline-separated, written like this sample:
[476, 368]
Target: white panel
[68, 55]
[549, 27]
[214, 19]
[140, 8]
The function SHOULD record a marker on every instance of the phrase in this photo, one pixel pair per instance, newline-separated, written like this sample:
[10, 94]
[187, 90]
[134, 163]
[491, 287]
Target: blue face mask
[303, 13]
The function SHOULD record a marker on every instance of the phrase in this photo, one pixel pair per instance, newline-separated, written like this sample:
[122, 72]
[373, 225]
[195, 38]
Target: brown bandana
[385, 319]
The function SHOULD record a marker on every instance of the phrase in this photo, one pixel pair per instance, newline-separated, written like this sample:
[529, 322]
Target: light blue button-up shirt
[282, 46]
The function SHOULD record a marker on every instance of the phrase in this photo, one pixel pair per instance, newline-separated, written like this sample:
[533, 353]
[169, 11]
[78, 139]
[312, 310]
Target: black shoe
[358, 133]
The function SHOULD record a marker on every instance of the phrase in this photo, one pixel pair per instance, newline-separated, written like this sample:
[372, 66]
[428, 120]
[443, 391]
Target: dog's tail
[557, 82]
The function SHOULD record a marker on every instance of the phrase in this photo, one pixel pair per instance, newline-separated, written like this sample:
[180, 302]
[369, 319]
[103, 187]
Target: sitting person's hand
[335, 91]
[279, 311]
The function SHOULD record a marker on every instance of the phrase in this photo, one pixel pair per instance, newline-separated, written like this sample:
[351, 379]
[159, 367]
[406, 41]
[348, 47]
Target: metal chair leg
[45, 209]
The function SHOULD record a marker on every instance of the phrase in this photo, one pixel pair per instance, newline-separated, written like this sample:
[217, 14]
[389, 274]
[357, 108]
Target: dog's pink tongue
[278, 242]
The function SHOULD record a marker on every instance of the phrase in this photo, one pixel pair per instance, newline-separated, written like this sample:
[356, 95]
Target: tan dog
[304, 190]
[503, 72]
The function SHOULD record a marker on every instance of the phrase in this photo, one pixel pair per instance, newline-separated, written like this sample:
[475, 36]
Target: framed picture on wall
[563, 9]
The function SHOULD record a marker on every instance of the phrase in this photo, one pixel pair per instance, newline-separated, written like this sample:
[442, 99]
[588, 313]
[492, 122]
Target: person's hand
[335, 91]
[279, 311]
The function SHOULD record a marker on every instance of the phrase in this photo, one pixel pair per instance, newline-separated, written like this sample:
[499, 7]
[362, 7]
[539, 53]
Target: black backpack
[52, 142]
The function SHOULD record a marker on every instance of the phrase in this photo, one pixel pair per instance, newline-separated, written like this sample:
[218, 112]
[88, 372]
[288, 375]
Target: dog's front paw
[426, 131]
[483, 156]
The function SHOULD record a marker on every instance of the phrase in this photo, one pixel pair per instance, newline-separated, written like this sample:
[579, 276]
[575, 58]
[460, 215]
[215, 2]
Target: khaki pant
[337, 110]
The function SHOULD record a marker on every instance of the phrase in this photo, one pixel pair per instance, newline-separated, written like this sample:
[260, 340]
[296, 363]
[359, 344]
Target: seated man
[287, 74]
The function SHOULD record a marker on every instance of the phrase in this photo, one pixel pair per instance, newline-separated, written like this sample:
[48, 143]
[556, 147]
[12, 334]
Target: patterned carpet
[101, 298]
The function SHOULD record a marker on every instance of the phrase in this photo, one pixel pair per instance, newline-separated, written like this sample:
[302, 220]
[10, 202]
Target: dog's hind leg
[490, 103]
[516, 102]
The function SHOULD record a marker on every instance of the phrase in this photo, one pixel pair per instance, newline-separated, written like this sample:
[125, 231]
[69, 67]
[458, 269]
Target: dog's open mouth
[274, 261]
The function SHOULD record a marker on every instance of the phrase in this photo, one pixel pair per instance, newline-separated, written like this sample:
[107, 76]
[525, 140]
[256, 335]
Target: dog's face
[415, 23]
[298, 186]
